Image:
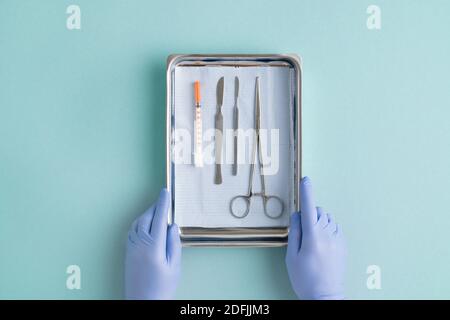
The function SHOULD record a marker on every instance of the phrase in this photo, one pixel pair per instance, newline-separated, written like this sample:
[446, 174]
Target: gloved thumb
[294, 236]
[173, 245]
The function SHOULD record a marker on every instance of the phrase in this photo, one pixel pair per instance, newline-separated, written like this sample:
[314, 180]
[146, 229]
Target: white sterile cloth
[198, 202]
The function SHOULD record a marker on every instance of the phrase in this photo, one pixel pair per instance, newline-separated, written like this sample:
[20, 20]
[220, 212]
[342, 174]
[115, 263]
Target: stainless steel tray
[230, 237]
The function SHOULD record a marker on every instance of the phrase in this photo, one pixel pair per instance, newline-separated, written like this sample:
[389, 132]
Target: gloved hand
[153, 257]
[316, 251]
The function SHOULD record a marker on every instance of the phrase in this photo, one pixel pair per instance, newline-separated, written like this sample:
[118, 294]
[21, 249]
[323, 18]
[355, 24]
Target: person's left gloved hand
[153, 257]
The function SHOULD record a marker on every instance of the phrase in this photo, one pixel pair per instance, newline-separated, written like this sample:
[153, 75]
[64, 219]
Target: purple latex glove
[316, 251]
[153, 257]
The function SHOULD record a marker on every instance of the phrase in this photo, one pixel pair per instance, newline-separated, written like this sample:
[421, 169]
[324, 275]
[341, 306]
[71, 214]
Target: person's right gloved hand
[316, 251]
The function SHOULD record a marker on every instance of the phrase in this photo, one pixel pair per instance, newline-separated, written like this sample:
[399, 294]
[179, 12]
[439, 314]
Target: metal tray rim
[227, 241]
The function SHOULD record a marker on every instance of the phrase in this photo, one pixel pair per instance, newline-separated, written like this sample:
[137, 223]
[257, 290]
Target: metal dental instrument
[267, 199]
[198, 152]
[219, 131]
[235, 125]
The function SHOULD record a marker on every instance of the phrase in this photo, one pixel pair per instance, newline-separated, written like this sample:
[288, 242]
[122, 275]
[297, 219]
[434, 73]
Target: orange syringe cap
[197, 92]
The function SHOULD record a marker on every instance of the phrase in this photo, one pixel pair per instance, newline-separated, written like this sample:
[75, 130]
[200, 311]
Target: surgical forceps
[247, 197]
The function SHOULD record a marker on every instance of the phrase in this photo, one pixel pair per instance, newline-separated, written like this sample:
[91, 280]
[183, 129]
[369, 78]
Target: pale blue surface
[82, 153]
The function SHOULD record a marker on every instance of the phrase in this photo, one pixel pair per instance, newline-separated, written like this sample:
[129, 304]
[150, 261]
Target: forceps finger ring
[237, 213]
[274, 213]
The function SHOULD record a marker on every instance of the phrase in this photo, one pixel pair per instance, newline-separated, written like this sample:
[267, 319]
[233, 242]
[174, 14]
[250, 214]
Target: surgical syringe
[198, 152]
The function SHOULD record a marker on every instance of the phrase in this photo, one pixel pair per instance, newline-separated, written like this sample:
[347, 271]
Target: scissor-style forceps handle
[247, 197]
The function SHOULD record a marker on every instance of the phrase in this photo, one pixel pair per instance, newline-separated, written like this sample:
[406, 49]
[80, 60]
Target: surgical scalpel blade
[219, 132]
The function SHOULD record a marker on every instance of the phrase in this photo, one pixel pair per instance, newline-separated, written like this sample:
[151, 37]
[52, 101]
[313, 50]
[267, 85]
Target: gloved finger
[134, 225]
[159, 225]
[294, 235]
[173, 244]
[144, 222]
[308, 207]
[132, 233]
[320, 212]
[338, 233]
[339, 236]
[331, 227]
[323, 219]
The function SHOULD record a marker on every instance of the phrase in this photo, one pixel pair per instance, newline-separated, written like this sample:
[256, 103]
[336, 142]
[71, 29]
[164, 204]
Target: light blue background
[82, 151]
